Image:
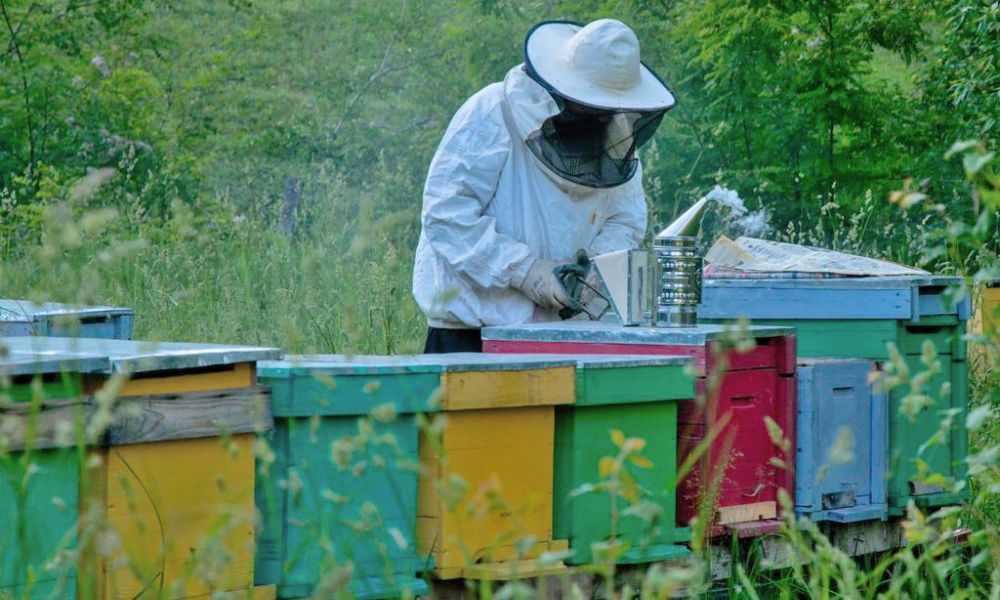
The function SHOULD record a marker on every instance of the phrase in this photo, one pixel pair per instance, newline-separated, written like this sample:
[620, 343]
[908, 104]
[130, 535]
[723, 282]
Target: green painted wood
[38, 521]
[318, 514]
[907, 435]
[316, 393]
[629, 385]
[52, 386]
[831, 338]
[582, 438]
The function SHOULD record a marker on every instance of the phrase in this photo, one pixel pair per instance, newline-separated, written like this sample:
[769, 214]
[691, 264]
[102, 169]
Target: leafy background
[258, 164]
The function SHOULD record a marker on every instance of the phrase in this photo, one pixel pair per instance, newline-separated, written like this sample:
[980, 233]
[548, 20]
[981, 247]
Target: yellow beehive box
[167, 499]
[484, 506]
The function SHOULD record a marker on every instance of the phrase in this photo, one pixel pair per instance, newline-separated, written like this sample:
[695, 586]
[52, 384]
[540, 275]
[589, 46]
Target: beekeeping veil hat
[609, 102]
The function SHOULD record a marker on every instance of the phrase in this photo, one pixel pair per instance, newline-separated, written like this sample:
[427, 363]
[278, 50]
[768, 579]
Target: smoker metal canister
[676, 280]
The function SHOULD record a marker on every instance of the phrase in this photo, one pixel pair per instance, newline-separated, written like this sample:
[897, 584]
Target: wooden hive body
[317, 404]
[834, 395]
[38, 521]
[858, 318]
[169, 484]
[755, 384]
[22, 317]
[499, 441]
[637, 396]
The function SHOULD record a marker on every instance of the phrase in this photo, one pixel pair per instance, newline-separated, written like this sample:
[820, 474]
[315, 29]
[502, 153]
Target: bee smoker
[677, 270]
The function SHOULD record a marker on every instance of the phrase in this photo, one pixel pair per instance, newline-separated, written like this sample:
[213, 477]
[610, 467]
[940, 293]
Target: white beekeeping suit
[529, 171]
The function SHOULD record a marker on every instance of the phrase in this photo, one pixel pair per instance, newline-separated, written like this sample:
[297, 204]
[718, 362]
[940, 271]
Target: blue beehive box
[343, 485]
[50, 319]
[843, 481]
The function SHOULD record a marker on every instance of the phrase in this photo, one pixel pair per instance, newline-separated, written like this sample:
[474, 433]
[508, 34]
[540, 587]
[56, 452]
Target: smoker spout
[689, 223]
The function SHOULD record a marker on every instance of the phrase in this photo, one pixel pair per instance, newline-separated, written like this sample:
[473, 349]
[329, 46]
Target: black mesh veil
[592, 146]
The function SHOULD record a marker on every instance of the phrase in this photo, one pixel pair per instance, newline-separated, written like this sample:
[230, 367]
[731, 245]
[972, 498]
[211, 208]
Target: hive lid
[602, 332]
[26, 311]
[338, 364]
[47, 363]
[837, 283]
[612, 361]
[122, 356]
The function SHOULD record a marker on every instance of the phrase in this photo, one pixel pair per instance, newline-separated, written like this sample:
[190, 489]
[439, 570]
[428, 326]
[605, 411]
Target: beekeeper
[531, 170]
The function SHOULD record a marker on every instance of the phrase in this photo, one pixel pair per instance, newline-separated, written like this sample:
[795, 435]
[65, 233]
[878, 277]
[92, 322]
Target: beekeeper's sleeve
[461, 182]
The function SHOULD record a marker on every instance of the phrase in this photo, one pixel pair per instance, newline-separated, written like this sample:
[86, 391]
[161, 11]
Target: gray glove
[543, 287]
[594, 282]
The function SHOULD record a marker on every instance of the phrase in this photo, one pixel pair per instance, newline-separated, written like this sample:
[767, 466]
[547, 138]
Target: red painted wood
[750, 390]
[536, 347]
[743, 445]
[786, 404]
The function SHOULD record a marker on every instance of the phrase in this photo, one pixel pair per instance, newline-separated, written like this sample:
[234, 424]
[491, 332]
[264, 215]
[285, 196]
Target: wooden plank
[741, 513]
[506, 389]
[762, 300]
[54, 416]
[143, 419]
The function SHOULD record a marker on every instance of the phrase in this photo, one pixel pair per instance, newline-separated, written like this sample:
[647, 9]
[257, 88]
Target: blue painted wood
[761, 302]
[22, 317]
[834, 395]
[907, 298]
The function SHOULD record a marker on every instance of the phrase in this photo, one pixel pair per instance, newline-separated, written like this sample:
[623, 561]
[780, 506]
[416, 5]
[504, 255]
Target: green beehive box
[343, 486]
[637, 396]
[858, 317]
[39, 514]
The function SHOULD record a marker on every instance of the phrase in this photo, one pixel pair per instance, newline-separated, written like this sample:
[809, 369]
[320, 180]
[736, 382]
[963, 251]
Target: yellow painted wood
[988, 307]
[165, 502]
[497, 389]
[231, 376]
[513, 569]
[499, 453]
[742, 513]
[261, 592]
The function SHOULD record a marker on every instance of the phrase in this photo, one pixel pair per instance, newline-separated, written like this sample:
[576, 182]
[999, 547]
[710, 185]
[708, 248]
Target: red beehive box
[754, 384]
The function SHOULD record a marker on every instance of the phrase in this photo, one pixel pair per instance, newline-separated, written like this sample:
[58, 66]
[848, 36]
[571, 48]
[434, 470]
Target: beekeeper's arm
[462, 180]
[625, 225]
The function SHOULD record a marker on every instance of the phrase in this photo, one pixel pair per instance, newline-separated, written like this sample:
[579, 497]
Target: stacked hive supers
[857, 318]
[170, 483]
[731, 421]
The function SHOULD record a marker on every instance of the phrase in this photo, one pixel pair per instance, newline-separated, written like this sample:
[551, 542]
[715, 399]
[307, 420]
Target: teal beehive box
[340, 496]
[52, 319]
[858, 317]
[637, 395]
[40, 394]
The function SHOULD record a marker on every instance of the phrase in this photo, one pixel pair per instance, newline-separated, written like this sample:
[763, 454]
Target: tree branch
[25, 90]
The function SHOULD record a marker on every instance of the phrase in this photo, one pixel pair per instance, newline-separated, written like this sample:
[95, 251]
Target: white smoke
[753, 224]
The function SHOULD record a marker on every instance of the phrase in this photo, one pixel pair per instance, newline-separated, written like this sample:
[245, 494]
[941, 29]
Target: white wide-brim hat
[596, 64]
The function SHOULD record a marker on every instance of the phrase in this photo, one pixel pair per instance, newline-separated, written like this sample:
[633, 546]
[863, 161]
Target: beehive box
[488, 486]
[170, 484]
[358, 506]
[840, 476]
[637, 395]
[38, 514]
[23, 317]
[756, 384]
[856, 318]
[991, 308]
